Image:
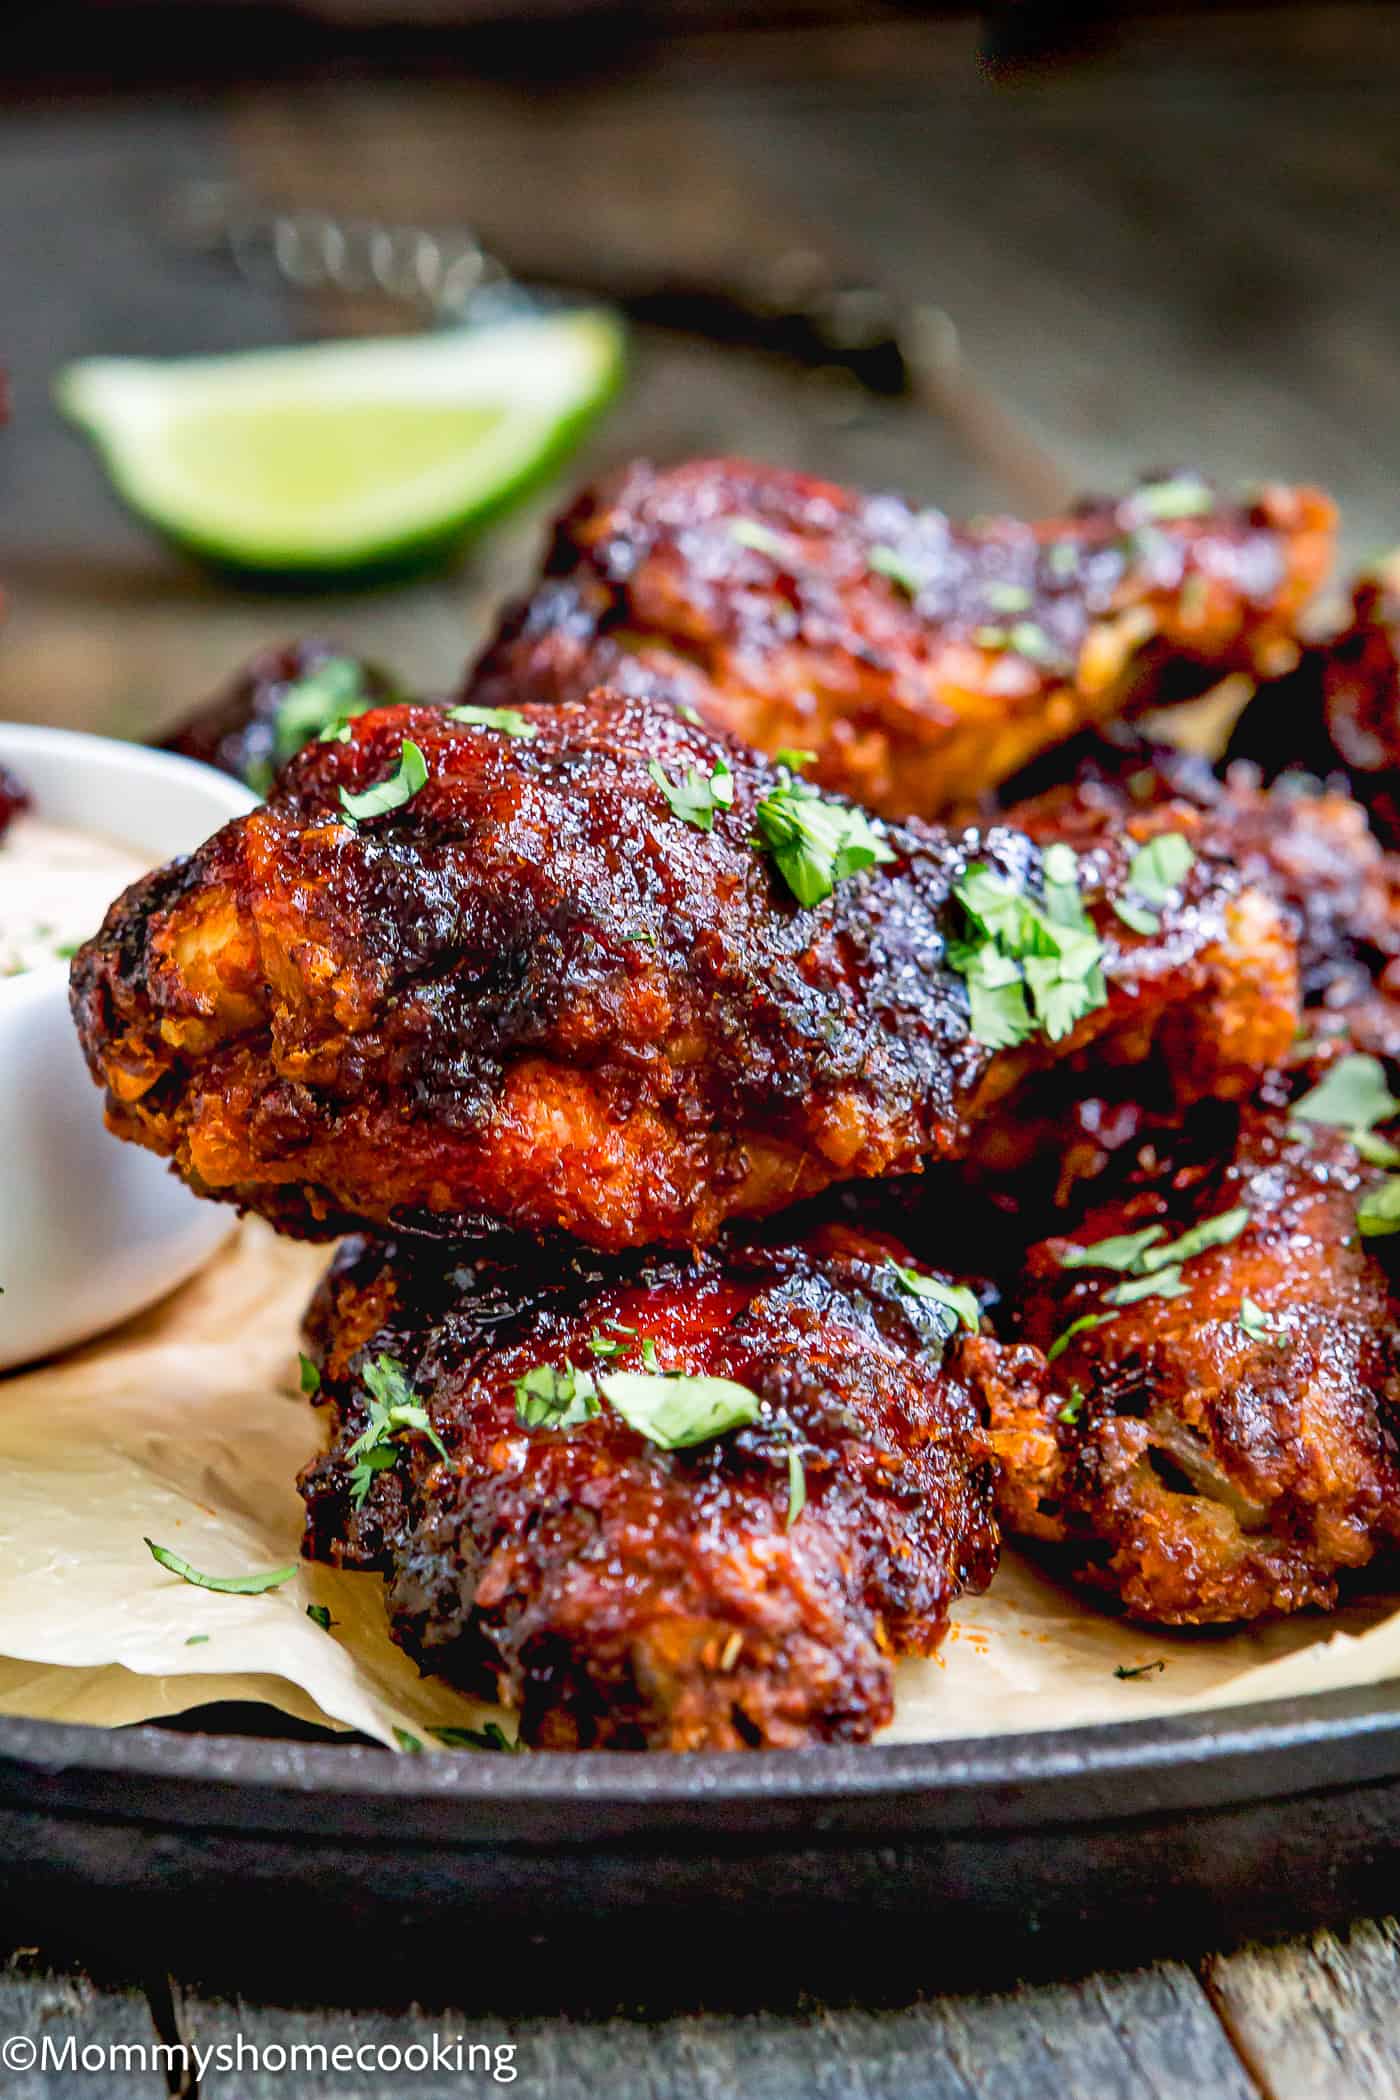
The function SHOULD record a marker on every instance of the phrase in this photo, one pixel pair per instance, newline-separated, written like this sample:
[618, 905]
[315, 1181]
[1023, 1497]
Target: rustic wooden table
[1188, 249]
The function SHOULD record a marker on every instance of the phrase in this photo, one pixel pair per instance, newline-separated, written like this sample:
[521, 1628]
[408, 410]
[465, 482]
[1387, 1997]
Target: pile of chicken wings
[812, 1088]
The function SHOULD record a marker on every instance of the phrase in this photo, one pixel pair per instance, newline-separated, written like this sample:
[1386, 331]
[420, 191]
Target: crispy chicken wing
[534, 989]
[746, 1590]
[274, 705]
[1219, 1443]
[921, 661]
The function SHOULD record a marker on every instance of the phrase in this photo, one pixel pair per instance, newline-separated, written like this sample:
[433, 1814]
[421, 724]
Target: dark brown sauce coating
[1337, 715]
[1207, 1472]
[622, 1595]
[241, 729]
[534, 992]
[765, 600]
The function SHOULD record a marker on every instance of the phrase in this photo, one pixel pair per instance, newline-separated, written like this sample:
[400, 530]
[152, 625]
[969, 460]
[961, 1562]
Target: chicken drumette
[550, 968]
[682, 1585]
[922, 662]
[1203, 1417]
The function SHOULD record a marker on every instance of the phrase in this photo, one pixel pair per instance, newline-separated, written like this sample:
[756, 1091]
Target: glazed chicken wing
[274, 705]
[922, 662]
[1212, 1436]
[747, 1589]
[1337, 714]
[565, 983]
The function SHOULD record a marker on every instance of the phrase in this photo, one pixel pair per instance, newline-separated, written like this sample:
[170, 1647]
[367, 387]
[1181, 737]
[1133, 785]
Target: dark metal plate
[1247, 1819]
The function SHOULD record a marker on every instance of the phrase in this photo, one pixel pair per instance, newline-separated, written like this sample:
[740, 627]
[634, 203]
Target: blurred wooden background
[1180, 242]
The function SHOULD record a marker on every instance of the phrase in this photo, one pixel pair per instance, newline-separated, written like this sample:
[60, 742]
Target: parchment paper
[187, 1426]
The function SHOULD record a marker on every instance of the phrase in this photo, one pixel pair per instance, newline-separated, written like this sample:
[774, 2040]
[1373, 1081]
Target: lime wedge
[343, 457]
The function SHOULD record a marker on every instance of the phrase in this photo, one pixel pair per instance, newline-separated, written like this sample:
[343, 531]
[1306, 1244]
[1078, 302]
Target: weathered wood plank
[1316, 2019]
[1145, 2035]
[44, 2006]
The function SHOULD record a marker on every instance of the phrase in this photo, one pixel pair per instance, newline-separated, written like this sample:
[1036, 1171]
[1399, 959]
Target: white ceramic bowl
[91, 1229]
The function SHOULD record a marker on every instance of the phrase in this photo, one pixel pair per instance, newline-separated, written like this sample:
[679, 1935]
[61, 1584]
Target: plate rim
[1105, 1771]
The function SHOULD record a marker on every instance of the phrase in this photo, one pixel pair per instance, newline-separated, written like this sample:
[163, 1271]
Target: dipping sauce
[55, 887]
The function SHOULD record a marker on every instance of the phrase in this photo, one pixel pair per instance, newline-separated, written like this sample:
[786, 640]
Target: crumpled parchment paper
[188, 1426]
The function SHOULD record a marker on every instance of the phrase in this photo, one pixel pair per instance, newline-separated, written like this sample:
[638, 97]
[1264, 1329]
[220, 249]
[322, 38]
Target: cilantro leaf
[555, 1397]
[1029, 964]
[320, 704]
[1155, 874]
[898, 568]
[403, 784]
[491, 1737]
[320, 1615]
[797, 1485]
[1159, 1283]
[1073, 1408]
[1119, 1252]
[1378, 1212]
[696, 798]
[954, 1298]
[760, 539]
[392, 1411]
[408, 1742]
[508, 720]
[1255, 1324]
[815, 844]
[228, 1585]
[677, 1412]
[1079, 1326]
[310, 1376]
[1178, 496]
[1353, 1097]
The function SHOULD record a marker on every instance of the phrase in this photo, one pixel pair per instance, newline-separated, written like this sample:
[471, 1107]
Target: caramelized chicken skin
[1226, 1451]
[922, 662]
[534, 992]
[749, 1590]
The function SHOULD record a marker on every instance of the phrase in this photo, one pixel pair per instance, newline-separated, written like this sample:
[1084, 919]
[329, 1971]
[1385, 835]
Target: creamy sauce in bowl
[55, 886]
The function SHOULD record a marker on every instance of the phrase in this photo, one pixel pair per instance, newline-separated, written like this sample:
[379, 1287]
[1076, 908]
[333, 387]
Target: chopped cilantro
[1256, 1324]
[955, 1298]
[1007, 597]
[1073, 1408]
[696, 798]
[1353, 1097]
[797, 1485]
[792, 756]
[196, 1640]
[1122, 1251]
[508, 720]
[1155, 873]
[490, 1737]
[407, 1742]
[1178, 496]
[907, 575]
[1164, 1283]
[1027, 964]
[310, 1376]
[320, 1615]
[319, 705]
[402, 785]
[555, 1397]
[1152, 1669]
[228, 1585]
[392, 1411]
[650, 1360]
[1079, 1326]
[679, 1411]
[1150, 1263]
[815, 844]
[1378, 1212]
[761, 539]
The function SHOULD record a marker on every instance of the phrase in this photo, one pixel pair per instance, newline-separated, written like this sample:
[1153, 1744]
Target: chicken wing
[1203, 1416]
[921, 661]
[1337, 714]
[747, 1588]
[548, 968]
[274, 705]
